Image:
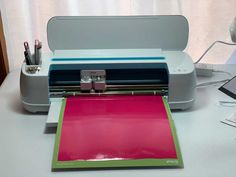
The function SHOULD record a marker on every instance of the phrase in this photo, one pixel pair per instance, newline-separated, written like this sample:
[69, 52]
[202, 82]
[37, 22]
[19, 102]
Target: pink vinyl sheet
[115, 127]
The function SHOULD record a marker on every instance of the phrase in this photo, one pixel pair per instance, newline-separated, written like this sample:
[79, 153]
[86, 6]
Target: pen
[29, 56]
[37, 49]
[27, 60]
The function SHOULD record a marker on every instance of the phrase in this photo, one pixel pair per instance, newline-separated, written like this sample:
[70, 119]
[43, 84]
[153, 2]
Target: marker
[39, 52]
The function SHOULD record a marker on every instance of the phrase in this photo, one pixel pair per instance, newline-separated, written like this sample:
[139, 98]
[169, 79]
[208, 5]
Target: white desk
[208, 147]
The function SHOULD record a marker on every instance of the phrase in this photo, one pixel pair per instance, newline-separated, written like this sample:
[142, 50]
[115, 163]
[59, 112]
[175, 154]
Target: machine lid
[168, 32]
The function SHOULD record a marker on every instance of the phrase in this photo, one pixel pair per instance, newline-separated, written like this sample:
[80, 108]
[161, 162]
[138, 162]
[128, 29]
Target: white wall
[26, 20]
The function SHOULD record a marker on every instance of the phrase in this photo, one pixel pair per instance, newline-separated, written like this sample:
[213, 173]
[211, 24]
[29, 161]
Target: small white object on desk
[231, 120]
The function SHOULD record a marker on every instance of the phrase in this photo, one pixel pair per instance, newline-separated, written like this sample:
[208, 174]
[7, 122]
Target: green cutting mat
[108, 164]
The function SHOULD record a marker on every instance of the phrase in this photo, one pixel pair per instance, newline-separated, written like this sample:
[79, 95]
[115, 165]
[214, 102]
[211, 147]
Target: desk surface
[208, 147]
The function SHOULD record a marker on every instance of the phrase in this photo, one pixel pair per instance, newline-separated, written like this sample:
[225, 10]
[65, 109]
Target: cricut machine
[111, 55]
